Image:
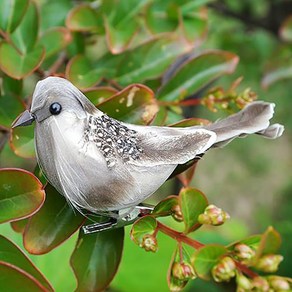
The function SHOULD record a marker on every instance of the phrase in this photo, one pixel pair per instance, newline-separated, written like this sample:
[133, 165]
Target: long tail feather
[254, 118]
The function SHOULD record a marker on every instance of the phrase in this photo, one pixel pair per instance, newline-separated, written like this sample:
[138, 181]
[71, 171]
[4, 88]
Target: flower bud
[279, 283]
[176, 213]
[243, 251]
[243, 282]
[269, 263]
[224, 270]
[260, 284]
[183, 271]
[149, 243]
[213, 215]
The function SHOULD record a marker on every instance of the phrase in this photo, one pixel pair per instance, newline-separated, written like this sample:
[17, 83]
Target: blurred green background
[250, 178]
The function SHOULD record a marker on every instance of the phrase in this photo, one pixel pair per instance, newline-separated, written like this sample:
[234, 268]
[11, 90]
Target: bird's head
[55, 96]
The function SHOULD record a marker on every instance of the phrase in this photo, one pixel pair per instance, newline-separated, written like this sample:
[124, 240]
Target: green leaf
[54, 13]
[144, 226]
[270, 243]
[17, 260]
[206, 257]
[25, 36]
[196, 73]
[11, 86]
[83, 18]
[148, 61]
[19, 225]
[52, 225]
[134, 104]
[193, 25]
[21, 194]
[18, 65]
[55, 39]
[82, 73]
[162, 17]
[22, 141]
[191, 122]
[276, 74]
[193, 203]
[119, 39]
[10, 108]
[96, 258]
[286, 30]
[99, 94]
[11, 13]
[15, 279]
[252, 241]
[164, 207]
[121, 23]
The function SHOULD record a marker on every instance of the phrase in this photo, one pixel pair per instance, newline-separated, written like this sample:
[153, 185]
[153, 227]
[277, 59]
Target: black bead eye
[55, 108]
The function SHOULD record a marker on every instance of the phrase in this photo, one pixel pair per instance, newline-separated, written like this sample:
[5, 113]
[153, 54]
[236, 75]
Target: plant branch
[246, 270]
[179, 236]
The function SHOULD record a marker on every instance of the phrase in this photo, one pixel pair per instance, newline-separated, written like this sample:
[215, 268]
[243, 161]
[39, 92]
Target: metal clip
[120, 221]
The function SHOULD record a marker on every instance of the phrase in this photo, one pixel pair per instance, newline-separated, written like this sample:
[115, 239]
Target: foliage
[107, 48]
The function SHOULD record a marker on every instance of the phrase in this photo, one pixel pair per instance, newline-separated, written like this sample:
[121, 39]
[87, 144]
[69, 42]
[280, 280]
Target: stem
[179, 236]
[246, 270]
[58, 63]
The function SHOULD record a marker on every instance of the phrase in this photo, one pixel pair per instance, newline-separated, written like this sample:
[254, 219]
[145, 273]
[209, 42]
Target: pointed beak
[25, 119]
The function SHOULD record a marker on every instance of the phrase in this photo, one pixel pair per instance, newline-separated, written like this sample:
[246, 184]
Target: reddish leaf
[16, 259]
[21, 194]
[96, 258]
[52, 225]
[134, 104]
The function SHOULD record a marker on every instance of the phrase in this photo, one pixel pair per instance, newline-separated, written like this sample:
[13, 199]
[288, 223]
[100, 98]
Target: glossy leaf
[193, 25]
[206, 257]
[276, 74]
[252, 241]
[135, 104]
[120, 23]
[96, 258]
[148, 61]
[286, 30]
[17, 65]
[15, 279]
[19, 225]
[12, 255]
[191, 122]
[197, 73]
[81, 72]
[193, 203]
[11, 13]
[119, 39]
[22, 141]
[168, 19]
[54, 13]
[83, 18]
[52, 225]
[270, 243]
[10, 107]
[21, 194]
[99, 94]
[25, 36]
[165, 207]
[55, 39]
[144, 226]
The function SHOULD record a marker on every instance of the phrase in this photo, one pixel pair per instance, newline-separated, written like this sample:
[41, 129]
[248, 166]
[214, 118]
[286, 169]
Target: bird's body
[101, 164]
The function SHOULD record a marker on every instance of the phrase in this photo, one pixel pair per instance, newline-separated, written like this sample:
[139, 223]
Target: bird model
[104, 165]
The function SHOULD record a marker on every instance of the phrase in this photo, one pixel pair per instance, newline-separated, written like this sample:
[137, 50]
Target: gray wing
[171, 146]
